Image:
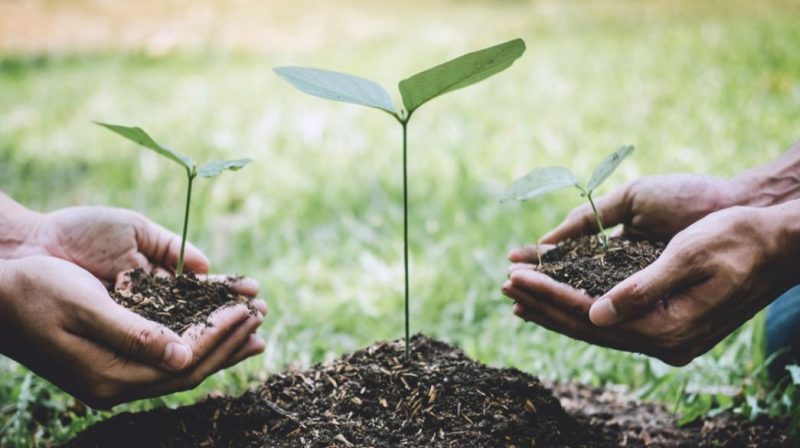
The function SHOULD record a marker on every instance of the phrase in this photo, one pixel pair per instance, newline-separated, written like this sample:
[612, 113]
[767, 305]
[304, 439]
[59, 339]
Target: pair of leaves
[545, 180]
[210, 169]
[416, 90]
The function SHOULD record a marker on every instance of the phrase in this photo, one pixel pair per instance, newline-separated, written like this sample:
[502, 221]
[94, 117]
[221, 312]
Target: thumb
[639, 292]
[163, 248]
[138, 338]
[612, 208]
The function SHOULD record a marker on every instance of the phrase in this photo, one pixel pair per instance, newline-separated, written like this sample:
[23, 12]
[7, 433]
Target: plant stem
[602, 235]
[405, 231]
[179, 271]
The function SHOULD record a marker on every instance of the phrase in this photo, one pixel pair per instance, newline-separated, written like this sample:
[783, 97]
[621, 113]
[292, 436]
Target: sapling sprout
[414, 91]
[545, 180]
[210, 169]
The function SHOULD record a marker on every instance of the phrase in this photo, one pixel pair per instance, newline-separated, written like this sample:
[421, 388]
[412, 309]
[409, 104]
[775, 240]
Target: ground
[707, 87]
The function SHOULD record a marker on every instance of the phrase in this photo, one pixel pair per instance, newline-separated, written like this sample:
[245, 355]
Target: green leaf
[141, 137]
[607, 167]
[538, 182]
[216, 167]
[459, 73]
[338, 86]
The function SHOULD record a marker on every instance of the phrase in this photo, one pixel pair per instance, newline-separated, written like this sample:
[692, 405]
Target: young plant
[210, 169]
[545, 180]
[415, 91]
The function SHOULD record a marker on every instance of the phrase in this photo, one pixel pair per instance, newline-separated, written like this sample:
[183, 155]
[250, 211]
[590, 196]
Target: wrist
[18, 230]
[771, 184]
[784, 218]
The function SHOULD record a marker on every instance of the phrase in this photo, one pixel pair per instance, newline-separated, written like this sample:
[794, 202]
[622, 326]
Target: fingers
[163, 248]
[235, 345]
[613, 209]
[254, 346]
[245, 286]
[641, 291]
[204, 338]
[576, 326]
[133, 336]
[563, 296]
[529, 253]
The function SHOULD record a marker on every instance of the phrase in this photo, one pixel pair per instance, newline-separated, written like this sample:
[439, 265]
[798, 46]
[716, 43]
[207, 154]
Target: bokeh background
[708, 87]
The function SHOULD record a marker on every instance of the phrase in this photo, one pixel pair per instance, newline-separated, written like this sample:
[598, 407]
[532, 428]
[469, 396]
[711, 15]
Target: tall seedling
[415, 91]
[210, 169]
[541, 181]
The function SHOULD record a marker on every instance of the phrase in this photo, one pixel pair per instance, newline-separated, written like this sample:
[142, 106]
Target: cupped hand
[711, 278]
[655, 208]
[106, 241]
[58, 320]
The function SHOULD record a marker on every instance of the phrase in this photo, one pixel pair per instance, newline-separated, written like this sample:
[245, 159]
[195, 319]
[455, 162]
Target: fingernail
[603, 313]
[177, 355]
[507, 284]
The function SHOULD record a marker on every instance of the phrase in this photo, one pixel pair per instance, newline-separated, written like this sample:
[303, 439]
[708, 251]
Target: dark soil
[583, 263]
[371, 398]
[634, 423]
[176, 302]
[441, 398]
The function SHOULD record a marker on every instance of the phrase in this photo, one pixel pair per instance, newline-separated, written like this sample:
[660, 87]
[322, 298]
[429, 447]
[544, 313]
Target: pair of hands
[57, 318]
[723, 264]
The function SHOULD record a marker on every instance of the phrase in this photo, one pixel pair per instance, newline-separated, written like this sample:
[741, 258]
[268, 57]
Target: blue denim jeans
[783, 331]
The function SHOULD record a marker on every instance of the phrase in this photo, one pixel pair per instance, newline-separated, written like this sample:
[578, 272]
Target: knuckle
[139, 341]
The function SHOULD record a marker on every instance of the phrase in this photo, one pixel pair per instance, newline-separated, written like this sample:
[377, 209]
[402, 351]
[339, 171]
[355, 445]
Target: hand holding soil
[66, 327]
[711, 278]
[59, 320]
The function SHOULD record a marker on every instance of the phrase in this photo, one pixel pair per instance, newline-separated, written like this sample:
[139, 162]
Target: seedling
[210, 169]
[415, 91]
[545, 180]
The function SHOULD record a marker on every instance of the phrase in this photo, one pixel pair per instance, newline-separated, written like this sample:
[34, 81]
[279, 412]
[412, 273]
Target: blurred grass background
[709, 87]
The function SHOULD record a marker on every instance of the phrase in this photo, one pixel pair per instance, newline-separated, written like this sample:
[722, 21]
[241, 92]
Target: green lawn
[696, 86]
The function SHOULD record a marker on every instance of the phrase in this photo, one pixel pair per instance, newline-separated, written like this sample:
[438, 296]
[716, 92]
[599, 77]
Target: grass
[709, 88]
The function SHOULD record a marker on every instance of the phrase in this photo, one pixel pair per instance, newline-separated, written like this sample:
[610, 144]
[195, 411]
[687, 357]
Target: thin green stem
[179, 271]
[405, 231]
[602, 235]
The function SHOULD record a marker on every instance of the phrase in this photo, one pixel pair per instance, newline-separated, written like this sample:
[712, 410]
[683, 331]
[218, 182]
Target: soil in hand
[176, 302]
[584, 264]
[371, 398]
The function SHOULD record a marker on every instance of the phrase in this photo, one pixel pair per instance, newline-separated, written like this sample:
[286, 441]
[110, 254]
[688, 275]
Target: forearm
[787, 217]
[774, 183]
[17, 230]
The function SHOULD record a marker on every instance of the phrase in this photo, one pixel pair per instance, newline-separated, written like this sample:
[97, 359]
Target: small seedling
[545, 180]
[415, 91]
[210, 169]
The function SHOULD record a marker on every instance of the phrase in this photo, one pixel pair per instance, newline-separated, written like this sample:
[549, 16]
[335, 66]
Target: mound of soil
[583, 263]
[440, 398]
[176, 302]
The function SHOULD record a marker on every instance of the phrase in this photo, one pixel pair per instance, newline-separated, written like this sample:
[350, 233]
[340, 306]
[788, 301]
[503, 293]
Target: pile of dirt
[584, 264]
[176, 302]
[440, 398]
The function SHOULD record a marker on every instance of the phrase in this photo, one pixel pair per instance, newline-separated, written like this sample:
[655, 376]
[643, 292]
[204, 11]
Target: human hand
[59, 321]
[711, 278]
[654, 208]
[106, 241]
